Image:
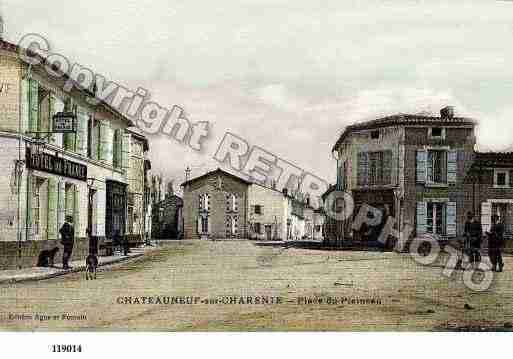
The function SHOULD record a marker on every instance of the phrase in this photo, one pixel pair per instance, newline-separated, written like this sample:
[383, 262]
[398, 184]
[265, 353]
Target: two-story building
[411, 167]
[215, 205]
[48, 175]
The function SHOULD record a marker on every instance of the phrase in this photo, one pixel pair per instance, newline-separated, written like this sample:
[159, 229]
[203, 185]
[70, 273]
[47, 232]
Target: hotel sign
[56, 165]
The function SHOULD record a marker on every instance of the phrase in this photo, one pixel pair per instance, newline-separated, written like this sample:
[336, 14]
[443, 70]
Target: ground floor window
[435, 221]
[37, 184]
[436, 217]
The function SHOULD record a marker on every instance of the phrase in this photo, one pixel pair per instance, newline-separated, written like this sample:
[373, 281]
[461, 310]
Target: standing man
[67, 240]
[476, 232]
[495, 243]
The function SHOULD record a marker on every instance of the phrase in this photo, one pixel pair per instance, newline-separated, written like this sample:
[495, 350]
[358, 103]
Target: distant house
[214, 206]
[167, 218]
[221, 205]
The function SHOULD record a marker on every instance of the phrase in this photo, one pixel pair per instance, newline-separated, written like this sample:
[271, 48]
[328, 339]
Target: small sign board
[64, 122]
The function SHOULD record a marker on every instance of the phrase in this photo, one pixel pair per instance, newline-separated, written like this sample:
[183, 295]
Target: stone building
[215, 206]
[168, 216]
[221, 205]
[48, 175]
[489, 186]
[138, 186]
[411, 167]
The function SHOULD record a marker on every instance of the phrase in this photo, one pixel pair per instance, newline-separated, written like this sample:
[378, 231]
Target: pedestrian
[495, 244]
[465, 245]
[476, 232]
[67, 240]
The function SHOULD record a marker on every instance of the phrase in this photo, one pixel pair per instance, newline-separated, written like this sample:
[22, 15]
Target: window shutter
[125, 151]
[52, 209]
[363, 169]
[209, 229]
[200, 202]
[486, 215]
[61, 204]
[235, 203]
[69, 139]
[76, 211]
[105, 141]
[451, 219]
[207, 203]
[421, 217]
[340, 177]
[452, 166]
[81, 135]
[25, 104]
[228, 207]
[421, 165]
[117, 159]
[29, 207]
[387, 167]
[198, 225]
[33, 106]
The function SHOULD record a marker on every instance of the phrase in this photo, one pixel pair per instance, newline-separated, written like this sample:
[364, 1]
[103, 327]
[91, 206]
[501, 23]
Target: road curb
[80, 268]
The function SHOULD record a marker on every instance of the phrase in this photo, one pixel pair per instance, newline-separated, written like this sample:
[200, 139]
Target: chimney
[285, 191]
[447, 112]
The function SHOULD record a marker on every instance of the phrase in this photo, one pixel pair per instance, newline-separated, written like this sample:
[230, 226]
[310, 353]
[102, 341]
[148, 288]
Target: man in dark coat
[495, 244]
[476, 232]
[67, 240]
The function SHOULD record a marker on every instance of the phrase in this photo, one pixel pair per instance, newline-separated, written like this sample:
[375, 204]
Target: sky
[287, 76]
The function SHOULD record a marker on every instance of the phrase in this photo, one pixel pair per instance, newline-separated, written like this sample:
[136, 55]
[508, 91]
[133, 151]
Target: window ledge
[502, 187]
[436, 185]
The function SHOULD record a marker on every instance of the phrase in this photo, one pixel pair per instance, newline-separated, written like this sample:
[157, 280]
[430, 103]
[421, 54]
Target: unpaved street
[241, 275]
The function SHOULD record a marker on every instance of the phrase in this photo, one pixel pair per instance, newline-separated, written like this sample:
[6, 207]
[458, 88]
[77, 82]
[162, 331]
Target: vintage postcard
[255, 166]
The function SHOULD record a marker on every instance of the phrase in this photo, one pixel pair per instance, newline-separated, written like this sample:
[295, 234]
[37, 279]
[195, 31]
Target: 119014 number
[66, 348]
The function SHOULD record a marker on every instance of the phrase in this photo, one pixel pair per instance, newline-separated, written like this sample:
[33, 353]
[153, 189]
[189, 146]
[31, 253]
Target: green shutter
[117, 156]
[29, 218]
[451, 219]
[81, 134]
[104, 140]
[33, 105]
[76, 210]
[421, 165]
[52, 208]
[452, 166]
[421, 218]
[25, 104]
[125, 152]
[61, 204]
[70, 138]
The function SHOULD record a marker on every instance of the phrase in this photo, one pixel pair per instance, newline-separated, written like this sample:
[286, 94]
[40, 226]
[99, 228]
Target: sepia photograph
[249, 167]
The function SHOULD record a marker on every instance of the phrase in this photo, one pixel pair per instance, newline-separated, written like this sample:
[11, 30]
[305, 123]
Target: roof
[405, 120]
[7, 46]
[214, 172]
[493, 159]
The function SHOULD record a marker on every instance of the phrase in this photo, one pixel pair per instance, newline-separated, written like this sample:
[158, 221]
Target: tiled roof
[7, 46]
[404, 120]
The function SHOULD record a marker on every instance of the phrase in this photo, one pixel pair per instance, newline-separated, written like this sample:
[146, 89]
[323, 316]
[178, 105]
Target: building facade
[421, 170]
[411, 167]
[215, 206]
[48, 175]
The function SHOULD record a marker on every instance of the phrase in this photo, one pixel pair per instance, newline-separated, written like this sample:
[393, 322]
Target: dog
[91, 266]
[47, 257]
